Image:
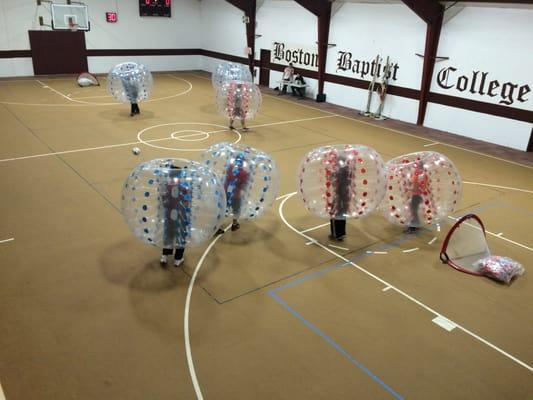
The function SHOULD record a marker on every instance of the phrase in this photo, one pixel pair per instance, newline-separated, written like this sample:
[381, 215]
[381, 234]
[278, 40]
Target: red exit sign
[111, 16]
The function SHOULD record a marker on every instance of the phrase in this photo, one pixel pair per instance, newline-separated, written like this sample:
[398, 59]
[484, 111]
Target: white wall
[182, 30]
[494, 40]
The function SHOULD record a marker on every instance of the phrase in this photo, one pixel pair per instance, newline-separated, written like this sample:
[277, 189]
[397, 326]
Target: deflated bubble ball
[173, 203]
[341, 181]
[230, 72]
[238, 100]
[422, 188]
[250, 178]
[130, 82]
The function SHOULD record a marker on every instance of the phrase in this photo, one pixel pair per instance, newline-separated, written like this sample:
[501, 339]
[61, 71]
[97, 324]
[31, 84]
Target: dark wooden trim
[141, 52]
[324, 20]
[317, 7]
[433, 30]
[428, 10]
[362, 84]
[482, 107]
[530, 143]
[249, 8]
[15, 53]
[223, 56]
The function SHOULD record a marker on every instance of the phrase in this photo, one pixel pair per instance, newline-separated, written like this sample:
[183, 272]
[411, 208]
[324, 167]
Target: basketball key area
[276, 309]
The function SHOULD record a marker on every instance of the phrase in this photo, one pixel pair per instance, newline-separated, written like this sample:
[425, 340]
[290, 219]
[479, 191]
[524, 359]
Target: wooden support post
[249, 7]
[322, 10]
[430, 53]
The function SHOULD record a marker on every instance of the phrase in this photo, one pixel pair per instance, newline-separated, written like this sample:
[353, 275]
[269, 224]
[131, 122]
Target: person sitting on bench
[288, 73]
[299, 91]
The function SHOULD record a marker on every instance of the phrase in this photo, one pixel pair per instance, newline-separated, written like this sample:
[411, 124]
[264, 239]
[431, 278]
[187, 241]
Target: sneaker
[219, 232]
[177, 263]
[245, 129]
[132, 114]
[411, 229]
[163, 259]
[336, 238]
[231, 127]
[234, 227]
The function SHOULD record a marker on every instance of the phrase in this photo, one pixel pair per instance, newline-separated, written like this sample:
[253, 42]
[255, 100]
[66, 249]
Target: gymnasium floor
[275, 310]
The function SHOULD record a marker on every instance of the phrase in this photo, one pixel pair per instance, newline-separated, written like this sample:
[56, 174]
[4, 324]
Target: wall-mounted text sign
[305, 57]
[364, 69]
[481, 84]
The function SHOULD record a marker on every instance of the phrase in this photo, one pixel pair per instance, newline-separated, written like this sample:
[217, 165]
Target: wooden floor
[275, 310]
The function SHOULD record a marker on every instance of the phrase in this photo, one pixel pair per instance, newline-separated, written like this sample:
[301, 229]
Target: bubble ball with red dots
[228, 71]
[238, 100]
[422, 189]
[342, 181]
[173, 202]
[250, 178]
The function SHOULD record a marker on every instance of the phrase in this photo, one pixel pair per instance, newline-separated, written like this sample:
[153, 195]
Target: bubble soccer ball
[250, 178]
[172, 202]
[341, 181]
[422, 188]
[130, 82]
[230, 72]
[238, 100]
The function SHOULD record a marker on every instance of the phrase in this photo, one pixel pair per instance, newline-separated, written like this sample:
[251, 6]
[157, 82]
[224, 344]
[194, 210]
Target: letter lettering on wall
[507, 93]
[443, 76]
[344, 62]
[300, 56]
[525, 89]
[493, 85]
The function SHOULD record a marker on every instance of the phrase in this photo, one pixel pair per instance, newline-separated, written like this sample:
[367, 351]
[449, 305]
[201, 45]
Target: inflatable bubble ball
[422, 188]
[250, 178]
[130, 82]
[230, 72]
[238, 100]
[341, 181]
[172, 203]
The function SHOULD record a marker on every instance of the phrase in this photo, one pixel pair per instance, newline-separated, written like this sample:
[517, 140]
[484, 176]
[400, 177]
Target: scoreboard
[154, 8]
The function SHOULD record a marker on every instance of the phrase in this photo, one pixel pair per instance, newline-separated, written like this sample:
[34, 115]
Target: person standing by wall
[288, 74]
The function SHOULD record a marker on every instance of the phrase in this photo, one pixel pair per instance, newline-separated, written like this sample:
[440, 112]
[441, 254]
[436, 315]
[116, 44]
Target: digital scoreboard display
[154, 8]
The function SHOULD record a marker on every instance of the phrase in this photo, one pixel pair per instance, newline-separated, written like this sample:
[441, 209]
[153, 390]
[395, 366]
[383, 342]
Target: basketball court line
[335, 345]
[498, 187]
[314, 227]
[7, 240]
[399, 291]
[81, 103]
[2, 395]
[153, 140]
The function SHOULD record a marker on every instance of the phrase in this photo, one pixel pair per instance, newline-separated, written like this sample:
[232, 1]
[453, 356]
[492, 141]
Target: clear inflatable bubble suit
[130, 82]
[227, 71]
[341, 181]
[250, 178]
[173, 202]
[238, 100]
[422, 188]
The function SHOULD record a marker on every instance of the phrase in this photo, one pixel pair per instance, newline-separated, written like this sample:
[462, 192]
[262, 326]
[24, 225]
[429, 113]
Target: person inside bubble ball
[235, 184]
[419, 186]
[341, 200]
[176, 203]
[238, 111]
[130, 87]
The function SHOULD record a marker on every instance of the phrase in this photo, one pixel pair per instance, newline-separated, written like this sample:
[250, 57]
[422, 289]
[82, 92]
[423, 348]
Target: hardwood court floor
[87, 312]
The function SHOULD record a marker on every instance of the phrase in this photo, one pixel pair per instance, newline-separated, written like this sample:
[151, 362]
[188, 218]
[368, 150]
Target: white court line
[186, 334]
[495, 235]
[499, 187]
[381, 252]
[402, 293]
[311, 242]
[148, 141]
[89, 97]
[499, 234]
[55, 91]
[338, 247]
[282, 197]
[410, 250]
[314, 227]
[432, 240]
[385, 289]
[7, 240]
[431, 144]
[444, 323]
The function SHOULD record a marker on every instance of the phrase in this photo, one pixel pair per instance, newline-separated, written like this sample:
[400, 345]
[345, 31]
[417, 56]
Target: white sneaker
[177, 263]
[163, 259]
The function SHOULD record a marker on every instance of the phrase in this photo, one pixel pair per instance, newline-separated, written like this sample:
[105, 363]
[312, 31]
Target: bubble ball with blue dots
[173, 202]
[130, 82]
[228, 71]
[250, 178]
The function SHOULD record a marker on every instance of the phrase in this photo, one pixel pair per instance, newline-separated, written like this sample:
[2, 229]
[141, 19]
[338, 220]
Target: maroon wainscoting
[58, 52]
